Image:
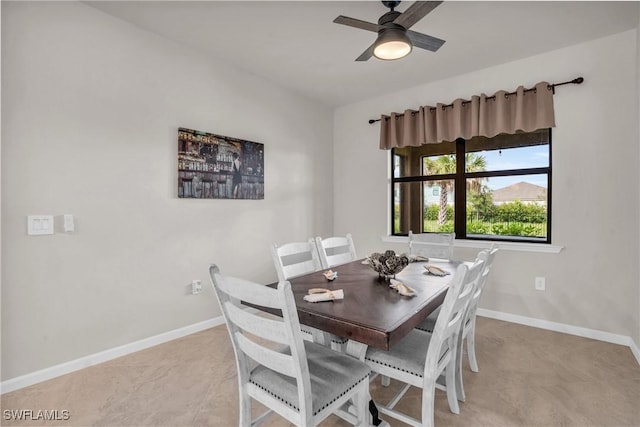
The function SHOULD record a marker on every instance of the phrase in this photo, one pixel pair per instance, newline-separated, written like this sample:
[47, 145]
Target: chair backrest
[432, 245]
[295, 259]
[336, 250]
[487, 256]
[273, 332]
[487, 266]
[452, 313]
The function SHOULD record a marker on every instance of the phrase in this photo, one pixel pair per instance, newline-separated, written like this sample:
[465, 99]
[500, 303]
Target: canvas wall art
[219, 167]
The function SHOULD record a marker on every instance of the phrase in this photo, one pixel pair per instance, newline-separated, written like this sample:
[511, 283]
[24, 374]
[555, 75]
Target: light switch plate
[39, 225]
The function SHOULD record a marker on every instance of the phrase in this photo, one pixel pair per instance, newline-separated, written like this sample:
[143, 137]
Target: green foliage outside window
[509, 219]
[431, 212]
[520, 212]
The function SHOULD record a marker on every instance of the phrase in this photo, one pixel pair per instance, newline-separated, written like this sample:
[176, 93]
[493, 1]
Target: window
[483, 188]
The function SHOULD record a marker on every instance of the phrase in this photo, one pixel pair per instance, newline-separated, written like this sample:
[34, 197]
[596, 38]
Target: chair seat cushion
[306, 329]
[409, 355]
[338, 340]
[429, 323]
[332, 375]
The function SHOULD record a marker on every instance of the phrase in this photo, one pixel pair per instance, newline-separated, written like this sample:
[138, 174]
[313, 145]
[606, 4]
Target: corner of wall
[637, 335]
[0, 181]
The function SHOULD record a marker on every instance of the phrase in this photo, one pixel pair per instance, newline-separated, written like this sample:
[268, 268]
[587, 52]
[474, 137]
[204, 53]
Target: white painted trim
[510, 246]
[485, 244]
[564, 328]
[635, 350]
[104, 356]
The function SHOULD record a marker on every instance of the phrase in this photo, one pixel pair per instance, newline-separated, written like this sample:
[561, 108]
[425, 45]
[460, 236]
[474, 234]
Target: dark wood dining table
[371, 313]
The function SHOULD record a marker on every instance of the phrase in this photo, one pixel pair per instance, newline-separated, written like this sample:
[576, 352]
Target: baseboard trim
[635, 350]
[564, 328]
[104, 356]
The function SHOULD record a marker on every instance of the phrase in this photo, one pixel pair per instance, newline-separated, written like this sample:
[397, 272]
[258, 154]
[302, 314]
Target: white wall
[593, 282]
[90, 112]
[1, 274]
[637, 336]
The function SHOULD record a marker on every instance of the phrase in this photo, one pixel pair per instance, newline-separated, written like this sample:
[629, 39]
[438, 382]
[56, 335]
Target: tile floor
[528, 377]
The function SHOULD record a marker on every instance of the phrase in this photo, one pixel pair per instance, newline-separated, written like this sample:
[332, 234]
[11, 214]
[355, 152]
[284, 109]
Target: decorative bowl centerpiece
[387, 264]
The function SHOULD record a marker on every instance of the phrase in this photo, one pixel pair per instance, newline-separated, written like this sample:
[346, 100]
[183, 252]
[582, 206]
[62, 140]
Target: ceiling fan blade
[366, 54]
[415, 12]
[424, 41]
[357, 23]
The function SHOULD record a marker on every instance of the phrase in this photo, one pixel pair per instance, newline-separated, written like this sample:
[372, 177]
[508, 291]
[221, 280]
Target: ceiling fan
[395, 39]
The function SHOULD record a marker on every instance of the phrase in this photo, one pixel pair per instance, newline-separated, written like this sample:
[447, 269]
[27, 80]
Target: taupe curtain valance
[504, 112]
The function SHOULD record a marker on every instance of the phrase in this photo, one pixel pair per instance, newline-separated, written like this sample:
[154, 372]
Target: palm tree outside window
[482, 188]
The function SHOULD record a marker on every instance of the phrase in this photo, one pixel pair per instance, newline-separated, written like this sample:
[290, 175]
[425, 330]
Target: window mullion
[460, 216]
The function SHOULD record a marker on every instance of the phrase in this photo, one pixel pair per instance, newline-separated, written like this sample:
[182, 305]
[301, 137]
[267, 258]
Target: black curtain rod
[576, 81]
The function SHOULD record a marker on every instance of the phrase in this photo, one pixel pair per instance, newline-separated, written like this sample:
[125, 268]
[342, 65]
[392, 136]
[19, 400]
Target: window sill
[485, 244]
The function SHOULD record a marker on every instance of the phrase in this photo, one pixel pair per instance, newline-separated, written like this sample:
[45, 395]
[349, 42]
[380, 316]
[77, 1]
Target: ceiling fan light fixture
[392, 44]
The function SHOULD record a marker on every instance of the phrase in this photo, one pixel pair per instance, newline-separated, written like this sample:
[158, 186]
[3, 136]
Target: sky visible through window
[506, 159]
[516, 158]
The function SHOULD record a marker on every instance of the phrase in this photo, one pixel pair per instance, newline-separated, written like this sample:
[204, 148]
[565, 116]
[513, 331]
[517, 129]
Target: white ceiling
[296, 44]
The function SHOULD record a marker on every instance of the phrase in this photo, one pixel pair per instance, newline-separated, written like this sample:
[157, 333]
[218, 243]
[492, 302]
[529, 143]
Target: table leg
[375, 420]
[358, 350]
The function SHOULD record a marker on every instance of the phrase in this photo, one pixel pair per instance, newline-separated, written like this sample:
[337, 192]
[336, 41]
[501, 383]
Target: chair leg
[361, 400]
[428, 402]
[451, 386]
[458, 372]
[471, 347]
[245, 409]
[385, 380]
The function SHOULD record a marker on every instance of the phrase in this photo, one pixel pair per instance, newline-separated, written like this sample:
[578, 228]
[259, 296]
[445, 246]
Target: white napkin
[325, 296]
[402, 288]
[436, 271]
[330, 275]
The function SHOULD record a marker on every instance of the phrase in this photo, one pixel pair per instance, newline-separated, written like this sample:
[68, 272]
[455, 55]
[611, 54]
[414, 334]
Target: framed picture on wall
[219, 167]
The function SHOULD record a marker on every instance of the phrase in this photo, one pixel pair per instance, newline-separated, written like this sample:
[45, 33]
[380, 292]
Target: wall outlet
[196, 287]
[541, 283]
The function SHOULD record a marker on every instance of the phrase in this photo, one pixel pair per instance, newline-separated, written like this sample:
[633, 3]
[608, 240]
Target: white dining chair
[296, 259]
[336, 250]
[432, 245]
[302, 381]
[426, 360]
[468, 326]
